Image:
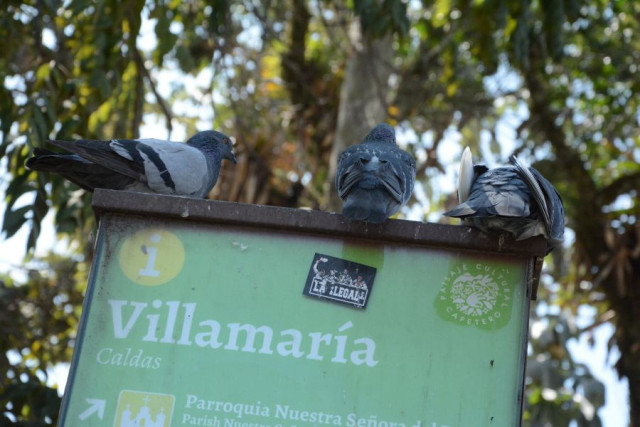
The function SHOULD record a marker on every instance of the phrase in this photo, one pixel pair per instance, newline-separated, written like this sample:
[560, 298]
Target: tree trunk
[623, 290]
[611, 259]
[362, 97]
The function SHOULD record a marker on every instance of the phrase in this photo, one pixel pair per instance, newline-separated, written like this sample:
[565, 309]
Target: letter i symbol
[151, 252]
[152, 257]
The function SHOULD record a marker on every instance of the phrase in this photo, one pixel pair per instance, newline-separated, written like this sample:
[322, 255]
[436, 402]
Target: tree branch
[589, 220]
[622, 185]
[138, 102]
[145, 73]
[605, 317]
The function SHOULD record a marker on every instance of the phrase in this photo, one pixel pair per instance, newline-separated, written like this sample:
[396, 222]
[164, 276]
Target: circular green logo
[476, 294]
[152, 257]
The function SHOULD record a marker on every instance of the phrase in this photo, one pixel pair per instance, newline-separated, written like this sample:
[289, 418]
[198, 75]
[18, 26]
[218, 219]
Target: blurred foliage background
[295, 82]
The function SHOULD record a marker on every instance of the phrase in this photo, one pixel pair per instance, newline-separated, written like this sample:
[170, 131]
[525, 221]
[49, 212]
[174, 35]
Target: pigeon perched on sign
[514, 198]
[375, 178]
[146, 165]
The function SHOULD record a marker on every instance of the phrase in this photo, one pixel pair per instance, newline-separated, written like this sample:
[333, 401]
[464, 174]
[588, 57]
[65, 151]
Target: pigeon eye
[225, 141]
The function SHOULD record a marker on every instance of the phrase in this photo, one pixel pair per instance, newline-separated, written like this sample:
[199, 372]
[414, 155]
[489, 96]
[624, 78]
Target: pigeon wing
[168, 167]
[497, 192]
[397, 173]
[409, 172]
[350, 169]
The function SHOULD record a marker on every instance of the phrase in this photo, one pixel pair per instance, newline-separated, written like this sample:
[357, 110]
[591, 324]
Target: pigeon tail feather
[536, 192]
[100, 152]
[373, 206]
[466, 175]
[81, 172]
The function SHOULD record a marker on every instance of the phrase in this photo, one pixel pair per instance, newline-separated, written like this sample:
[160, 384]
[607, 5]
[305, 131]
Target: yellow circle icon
[152, 257]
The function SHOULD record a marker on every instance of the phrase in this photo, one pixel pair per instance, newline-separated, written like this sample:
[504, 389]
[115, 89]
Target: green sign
[208, 325]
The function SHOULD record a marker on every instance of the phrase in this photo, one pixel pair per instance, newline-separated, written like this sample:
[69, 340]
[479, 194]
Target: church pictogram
[142, 409]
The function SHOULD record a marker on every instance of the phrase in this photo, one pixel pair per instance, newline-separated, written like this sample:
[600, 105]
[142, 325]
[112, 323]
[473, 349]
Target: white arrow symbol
[95, 405]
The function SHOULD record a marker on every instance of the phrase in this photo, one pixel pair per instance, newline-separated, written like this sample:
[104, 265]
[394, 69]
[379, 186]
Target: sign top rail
[312, 221]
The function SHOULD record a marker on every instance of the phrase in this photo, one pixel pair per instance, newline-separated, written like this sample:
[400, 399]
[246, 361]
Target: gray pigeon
[515, 198]
[375, 178]
[146, 165]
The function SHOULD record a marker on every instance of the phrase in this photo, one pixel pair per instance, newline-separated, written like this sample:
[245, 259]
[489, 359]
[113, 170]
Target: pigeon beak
[229, 153]
[232, 157]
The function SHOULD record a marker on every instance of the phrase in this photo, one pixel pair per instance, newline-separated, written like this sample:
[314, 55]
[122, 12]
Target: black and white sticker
[339, 280]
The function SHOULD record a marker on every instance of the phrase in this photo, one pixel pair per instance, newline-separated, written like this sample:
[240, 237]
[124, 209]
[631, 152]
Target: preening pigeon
[375, 178]
[515, 198]
[146, 165]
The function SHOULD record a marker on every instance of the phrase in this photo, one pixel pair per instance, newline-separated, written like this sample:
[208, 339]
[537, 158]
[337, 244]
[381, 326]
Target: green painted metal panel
[194, 323]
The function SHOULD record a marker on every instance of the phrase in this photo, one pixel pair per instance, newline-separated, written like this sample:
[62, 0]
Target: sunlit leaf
[441, 12]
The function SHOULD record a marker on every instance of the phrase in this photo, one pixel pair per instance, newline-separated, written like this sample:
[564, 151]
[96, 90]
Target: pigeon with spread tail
[515, 199]
[375, 178]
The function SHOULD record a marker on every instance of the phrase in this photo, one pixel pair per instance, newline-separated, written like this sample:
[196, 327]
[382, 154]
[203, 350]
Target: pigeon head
[211, 140]
[381, 133]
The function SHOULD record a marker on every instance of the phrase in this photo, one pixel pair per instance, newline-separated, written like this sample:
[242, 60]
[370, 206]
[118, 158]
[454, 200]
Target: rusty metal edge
[532, 271]
[309, 221]
[536, 271]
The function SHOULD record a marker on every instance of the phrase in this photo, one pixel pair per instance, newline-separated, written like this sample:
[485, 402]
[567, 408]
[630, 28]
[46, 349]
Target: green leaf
[165, 38]
[16, 188]
[98, 79]
[14, 219]
[100, 116]
[38, 125]
[49, 110]
[441, 12]
[43, 72]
